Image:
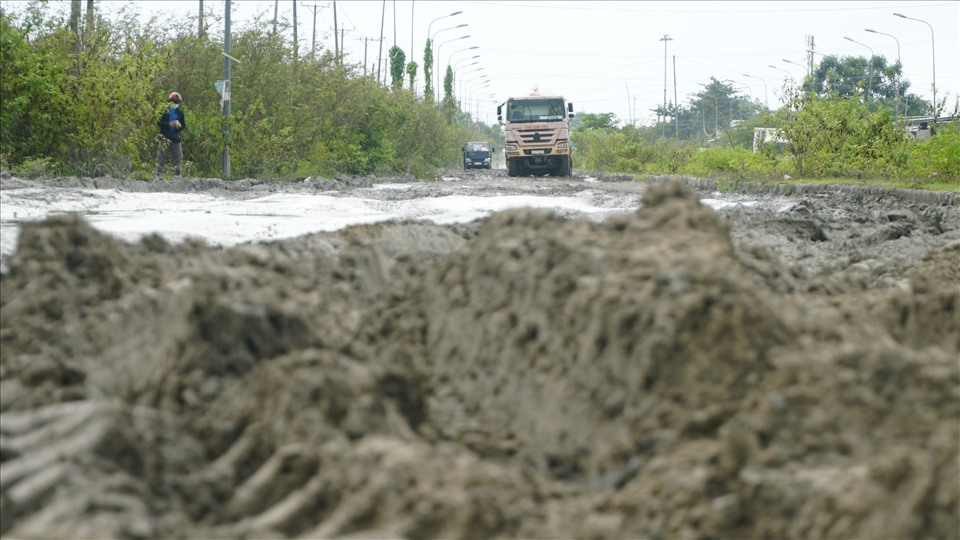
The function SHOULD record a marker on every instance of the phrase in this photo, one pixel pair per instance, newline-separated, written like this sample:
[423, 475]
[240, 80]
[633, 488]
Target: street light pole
[896, 103]
[789, 76]
[430, 42]
[739, 108]
[766, 103]
[438, 63]
[484, 82]
[716, 109]
[464, 80]
[869, 66]
[456, 65]
[805, 68]
[933, 49]
[429, 26]
[665, 39]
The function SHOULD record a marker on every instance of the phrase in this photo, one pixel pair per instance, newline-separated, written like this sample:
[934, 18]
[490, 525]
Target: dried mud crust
[672, 373]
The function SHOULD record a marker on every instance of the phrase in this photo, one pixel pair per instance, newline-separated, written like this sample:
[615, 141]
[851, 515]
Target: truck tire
[565, 168]
[514, 167]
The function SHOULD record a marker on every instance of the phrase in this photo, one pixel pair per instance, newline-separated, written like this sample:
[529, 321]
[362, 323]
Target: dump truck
[537, 132]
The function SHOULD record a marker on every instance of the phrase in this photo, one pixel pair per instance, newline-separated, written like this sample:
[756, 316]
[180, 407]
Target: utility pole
[365, 40]
[665, 39]
[383, 17]
[296, 43]
[676, 116]
[200, 24]
[226, 90]
[336, 44]
[313, 42]
[276, 9]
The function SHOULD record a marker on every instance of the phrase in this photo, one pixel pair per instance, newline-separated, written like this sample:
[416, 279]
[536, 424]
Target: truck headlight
[510, 147]
[563, 145]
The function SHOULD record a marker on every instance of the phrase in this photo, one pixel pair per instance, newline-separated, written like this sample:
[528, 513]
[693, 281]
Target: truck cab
[477, 155]
[537, 132]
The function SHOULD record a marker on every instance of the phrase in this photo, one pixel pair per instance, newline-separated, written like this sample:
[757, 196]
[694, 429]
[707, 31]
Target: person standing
[171, 123]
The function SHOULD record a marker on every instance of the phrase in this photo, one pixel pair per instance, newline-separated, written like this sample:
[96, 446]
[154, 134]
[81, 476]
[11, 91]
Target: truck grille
[545, 135]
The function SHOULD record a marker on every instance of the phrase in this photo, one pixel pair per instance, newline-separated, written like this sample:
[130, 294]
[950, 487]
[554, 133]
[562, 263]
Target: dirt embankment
[673, 373]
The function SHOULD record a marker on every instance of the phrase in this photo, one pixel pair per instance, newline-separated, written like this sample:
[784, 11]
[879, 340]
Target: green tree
[842, 137]
[449, 103]
[428, 70]
[397, 61]
[872, 81]
[597, 121]
[412, 75]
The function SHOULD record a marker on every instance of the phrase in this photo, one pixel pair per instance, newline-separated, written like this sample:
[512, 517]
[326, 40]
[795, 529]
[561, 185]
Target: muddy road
[662, 361]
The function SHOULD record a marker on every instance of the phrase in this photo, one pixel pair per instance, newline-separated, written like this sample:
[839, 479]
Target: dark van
[477, 155]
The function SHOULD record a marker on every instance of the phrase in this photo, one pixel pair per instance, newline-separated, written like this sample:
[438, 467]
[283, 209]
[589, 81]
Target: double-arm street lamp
[456, 65]
[869, 65]
[438, 62]
[933, 49]
[716, 109]
[483, 81]
[433, 38]
[429, 26]
[805, 68]
[463, 79]
[789, 75]
[766, 103]
[896, 103]
[739, 108]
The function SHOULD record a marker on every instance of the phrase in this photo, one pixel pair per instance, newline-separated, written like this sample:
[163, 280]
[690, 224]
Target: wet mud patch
[673, 372]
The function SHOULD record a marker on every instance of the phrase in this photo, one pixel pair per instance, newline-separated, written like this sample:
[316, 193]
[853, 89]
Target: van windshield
[535, 110]
[478, 147]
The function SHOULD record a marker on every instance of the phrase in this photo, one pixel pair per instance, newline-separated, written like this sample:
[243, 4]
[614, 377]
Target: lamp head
[454, 13]
[871, 30]
[901, 15]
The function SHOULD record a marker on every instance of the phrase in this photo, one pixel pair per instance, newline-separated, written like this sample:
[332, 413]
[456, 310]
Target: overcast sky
[609, 56]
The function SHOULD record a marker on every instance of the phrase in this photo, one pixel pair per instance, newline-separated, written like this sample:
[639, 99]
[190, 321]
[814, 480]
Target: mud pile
[532, 376]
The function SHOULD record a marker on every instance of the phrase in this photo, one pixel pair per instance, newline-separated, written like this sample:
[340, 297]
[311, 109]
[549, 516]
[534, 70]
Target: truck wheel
[513, 168]
[565, 168]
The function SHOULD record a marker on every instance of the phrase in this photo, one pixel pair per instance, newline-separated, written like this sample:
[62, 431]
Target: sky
[609, 57]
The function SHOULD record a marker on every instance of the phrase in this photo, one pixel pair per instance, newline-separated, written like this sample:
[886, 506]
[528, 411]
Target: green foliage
[96, 111]
[412, 75]
[936, 159]
[871, 80]
[428, 70]
[842, 137]
[830, 138]
[397, 62]
[597, 121]
[37, 168]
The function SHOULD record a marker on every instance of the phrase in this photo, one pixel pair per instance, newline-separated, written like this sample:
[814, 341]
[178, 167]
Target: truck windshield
[535, 110]
[478, 147]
